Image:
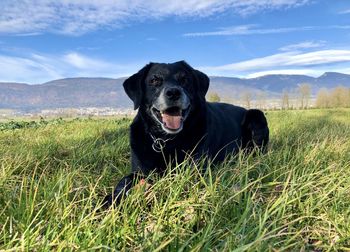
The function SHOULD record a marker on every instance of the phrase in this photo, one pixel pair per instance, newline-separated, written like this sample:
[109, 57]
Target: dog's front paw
[120, 191]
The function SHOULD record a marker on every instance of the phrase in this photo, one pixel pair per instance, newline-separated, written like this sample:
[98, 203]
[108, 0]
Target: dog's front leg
[122, 189]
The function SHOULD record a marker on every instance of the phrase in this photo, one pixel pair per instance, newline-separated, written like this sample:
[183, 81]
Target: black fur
[255, 131]
[212, 130]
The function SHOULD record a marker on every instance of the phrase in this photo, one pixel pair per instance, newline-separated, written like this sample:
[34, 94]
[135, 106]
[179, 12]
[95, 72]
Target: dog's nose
[173, 93]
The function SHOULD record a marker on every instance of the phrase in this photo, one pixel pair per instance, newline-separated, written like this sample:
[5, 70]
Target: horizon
[46, 40]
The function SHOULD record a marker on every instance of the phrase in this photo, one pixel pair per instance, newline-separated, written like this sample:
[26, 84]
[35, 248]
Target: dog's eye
[156, 80]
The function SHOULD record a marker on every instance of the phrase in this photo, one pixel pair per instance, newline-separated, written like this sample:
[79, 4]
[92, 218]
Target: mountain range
[107, 92]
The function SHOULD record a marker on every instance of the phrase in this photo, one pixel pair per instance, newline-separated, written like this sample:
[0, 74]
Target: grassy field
[53, 175]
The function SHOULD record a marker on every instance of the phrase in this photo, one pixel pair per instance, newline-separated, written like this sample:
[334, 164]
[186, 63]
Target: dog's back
[223, 129]
[230, 128]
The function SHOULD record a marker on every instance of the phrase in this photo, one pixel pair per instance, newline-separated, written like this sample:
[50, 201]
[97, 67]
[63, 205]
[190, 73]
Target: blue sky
[42, 40]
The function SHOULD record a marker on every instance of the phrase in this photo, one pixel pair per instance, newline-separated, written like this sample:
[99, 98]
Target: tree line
[299, 98]
[334, 98]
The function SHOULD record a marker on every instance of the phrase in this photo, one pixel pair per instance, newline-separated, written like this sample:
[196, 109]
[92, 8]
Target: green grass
[53, 176]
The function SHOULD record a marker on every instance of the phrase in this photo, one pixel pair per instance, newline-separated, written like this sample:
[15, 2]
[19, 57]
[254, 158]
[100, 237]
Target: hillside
[106, 92]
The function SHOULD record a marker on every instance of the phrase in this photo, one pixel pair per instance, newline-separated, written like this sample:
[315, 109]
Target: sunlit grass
[296, 196]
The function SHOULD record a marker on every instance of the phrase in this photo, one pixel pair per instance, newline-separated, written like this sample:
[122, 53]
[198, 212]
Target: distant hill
[64, 93]
[106, 92]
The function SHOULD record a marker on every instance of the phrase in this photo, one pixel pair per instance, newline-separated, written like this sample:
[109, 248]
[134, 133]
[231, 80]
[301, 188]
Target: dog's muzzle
[171, 119]
[171, 109]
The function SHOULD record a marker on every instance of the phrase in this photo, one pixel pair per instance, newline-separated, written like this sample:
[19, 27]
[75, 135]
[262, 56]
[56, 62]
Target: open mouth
[171, 118]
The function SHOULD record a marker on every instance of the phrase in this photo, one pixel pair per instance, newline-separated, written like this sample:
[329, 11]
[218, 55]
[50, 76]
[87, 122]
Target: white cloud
[303, 45]
[309, 72]
[38, 68]
[245, 30]
[82, 62]
[282, 62]
[251, 29]
[80, 16]
[315, 72]
[23, 69]
[345, 11]
[234, 30]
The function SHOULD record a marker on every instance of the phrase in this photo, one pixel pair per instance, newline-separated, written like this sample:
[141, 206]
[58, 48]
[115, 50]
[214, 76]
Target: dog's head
[168, 93]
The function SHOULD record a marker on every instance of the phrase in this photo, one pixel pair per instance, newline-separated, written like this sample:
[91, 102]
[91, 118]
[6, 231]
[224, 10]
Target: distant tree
[261, 99]
[323, 98]
[305, 93]
[339, 97]
[231, 100]
[294, 98]
[285, 99]
[213, 97]
[247, 98]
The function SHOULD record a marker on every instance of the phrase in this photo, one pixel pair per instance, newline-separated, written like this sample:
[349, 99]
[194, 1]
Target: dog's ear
[203, 82]
[133, 85]
[202, 79]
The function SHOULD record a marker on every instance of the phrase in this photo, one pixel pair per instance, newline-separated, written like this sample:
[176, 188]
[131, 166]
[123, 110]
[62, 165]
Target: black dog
[174, 119]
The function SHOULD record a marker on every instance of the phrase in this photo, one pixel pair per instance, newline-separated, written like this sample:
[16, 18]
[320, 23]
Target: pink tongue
[171, 122]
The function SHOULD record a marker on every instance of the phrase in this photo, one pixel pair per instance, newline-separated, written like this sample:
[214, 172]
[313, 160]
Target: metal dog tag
[158, 145]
